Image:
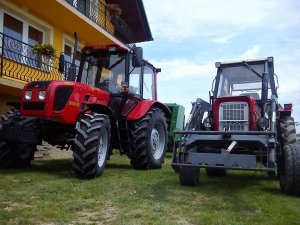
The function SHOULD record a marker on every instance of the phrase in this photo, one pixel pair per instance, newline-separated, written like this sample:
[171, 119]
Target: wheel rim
[102, 149]
[157, 141]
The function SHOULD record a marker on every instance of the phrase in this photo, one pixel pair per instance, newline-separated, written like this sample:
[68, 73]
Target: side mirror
[213, 85]
[61, 63]
[137, 57]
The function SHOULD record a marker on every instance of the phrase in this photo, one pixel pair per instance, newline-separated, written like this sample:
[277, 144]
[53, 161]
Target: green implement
[175, 123]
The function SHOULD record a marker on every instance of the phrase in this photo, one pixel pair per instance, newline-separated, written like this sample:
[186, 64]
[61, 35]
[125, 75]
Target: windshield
[241, 80]
[104, 71]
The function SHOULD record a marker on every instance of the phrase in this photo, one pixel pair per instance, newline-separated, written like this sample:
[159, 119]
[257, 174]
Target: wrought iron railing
[19, 62]
[104, 17]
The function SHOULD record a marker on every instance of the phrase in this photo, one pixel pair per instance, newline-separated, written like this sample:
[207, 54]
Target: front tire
[149, 140]
[91, 145]
[289, 173]
[288, 130]
[7, 157]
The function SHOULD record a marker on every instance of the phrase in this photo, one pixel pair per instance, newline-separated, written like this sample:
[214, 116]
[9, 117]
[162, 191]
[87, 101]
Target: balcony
[19, 63]
[104, 17]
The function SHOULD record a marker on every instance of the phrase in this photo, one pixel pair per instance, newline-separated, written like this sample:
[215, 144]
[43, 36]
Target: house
[24, 23]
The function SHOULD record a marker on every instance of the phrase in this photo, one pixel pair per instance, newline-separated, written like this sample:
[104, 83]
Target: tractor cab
[117, 70]
[244, 79]
[242, 95]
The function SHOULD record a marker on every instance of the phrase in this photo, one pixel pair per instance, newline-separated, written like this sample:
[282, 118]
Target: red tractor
[109, 103]
[242, 128]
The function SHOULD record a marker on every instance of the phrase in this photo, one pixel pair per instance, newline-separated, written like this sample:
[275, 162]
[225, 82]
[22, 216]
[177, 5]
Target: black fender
[101, 109]
[16, 105]
[164, 108]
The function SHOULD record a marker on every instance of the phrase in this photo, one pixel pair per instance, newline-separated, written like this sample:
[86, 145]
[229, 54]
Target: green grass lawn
[48, 193]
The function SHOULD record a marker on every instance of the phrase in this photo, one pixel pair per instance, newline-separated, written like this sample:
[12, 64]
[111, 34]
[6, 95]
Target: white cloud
[177, 19]
[251, 53]
[183, 68]
[224, 31]
[223, 39]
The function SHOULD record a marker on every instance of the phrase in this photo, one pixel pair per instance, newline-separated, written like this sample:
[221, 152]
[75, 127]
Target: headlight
[42, 95]
[207, 122]
[28, 95]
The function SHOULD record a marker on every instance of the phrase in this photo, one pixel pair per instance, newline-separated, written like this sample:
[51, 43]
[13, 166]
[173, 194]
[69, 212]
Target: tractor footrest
[228, 161]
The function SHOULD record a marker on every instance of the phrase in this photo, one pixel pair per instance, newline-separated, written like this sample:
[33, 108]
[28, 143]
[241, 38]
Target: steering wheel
[104, 84]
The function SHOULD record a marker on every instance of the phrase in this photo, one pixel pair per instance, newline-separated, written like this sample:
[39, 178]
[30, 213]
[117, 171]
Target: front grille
[39, 84]
[61, 98]
[234, 116]
[33, 105]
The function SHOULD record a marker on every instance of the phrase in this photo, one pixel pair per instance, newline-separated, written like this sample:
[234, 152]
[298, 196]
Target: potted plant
[115, 9]
[46, 50]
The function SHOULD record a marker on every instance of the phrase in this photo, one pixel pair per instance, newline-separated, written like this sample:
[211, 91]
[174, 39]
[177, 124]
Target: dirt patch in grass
[107, 214]
[10, 206]
[46, 152]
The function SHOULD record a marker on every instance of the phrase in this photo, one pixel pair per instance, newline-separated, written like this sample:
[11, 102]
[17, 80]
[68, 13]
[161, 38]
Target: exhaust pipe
[264, 89]
[72, 69]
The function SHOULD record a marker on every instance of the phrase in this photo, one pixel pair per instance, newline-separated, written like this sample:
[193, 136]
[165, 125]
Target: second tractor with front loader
[243, 127]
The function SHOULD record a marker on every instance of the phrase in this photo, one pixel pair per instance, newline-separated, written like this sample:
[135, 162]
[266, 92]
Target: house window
[18, 41]
[68, 51]
[12, 46]
[68, 54]
[13, 27]
[34, 36]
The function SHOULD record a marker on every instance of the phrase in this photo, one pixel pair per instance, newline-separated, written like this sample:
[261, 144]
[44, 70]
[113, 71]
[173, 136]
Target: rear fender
[144, 106]
[282, 112]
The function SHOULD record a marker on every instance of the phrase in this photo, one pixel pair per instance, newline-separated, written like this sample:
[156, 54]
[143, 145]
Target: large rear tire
[149, 140]
[91, 145]
[12, 154]
[289, 172]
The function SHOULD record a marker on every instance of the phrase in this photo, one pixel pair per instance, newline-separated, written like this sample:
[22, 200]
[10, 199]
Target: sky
[191, 35]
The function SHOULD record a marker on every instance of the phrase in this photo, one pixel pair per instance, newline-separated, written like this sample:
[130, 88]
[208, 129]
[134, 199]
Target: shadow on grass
[61, 168]
[118, 166]
[233, 182]
[273, 191]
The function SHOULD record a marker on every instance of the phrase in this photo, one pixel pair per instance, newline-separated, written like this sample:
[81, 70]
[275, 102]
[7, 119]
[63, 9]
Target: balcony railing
[104, 17]
[19, 62]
